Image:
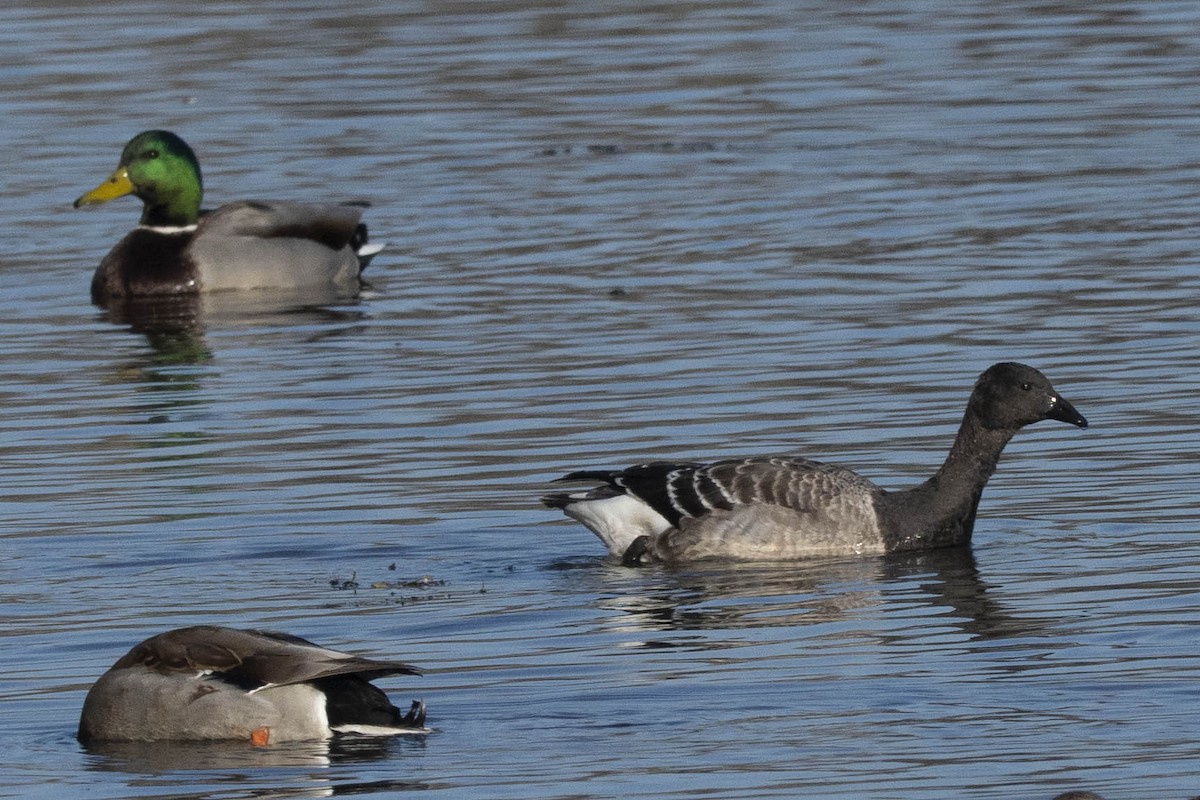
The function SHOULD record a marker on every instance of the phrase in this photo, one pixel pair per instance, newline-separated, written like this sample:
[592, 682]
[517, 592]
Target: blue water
[618, 232]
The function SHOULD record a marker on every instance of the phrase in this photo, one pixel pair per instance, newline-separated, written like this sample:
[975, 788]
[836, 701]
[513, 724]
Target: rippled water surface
[618, 231]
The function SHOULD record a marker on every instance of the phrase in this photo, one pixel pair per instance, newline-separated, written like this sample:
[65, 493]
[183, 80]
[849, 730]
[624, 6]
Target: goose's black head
[1009, 395]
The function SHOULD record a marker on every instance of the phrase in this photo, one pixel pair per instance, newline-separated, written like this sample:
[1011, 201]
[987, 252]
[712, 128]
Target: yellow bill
[117, 185]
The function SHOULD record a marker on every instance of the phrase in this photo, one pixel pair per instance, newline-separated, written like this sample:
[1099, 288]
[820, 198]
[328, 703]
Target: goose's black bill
[1065, 412]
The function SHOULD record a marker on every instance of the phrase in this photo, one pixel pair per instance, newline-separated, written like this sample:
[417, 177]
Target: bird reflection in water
[937, 588]
[176, 327]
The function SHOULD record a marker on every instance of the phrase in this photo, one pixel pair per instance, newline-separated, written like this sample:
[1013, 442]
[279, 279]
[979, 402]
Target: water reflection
[175, 327]
[949, 579]
[945, 582]
[157, 758]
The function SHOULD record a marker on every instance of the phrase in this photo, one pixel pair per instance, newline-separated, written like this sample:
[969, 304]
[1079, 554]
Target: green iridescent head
[160, 169]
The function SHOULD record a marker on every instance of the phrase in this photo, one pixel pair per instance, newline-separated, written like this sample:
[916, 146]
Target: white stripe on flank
[704, 501]
[729, 498]
[376, 730]
[168, 228]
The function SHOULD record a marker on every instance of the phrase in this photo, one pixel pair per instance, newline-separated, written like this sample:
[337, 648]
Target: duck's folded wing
[253, 245]
[283, 659]
[252, 658]
[331, 224]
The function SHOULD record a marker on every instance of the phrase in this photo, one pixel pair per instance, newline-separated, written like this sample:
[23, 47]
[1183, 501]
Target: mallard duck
[179, 249]
[212, 683]
[770, 508]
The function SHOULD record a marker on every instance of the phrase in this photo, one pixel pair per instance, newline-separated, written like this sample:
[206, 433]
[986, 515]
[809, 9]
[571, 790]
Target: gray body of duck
[780, 507]
[209, 683]
[179, 249]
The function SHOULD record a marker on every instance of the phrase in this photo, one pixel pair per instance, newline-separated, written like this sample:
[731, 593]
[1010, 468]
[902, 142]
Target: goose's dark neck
[941, 511]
